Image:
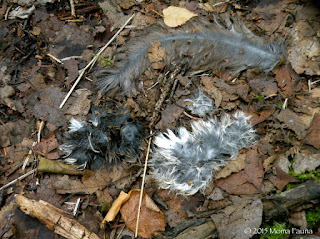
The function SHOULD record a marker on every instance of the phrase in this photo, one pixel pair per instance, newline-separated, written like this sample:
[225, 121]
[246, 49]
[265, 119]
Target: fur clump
[105, 138]
[197, 45]
[200, 105]
[187, 161]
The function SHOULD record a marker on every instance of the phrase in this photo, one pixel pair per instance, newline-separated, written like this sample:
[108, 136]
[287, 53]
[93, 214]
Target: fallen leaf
[115, 208]
[305, 162]
[233, 166]
[232, 221]
[281, 179]
[294, 122]
[313, 135]
[157, 55]
[285, 82]
[47, 145]
[254, 167]
[177, 16]
[150, 221]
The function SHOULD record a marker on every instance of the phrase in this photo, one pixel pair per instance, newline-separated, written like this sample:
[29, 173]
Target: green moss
[275, 231]
[258, 97]
[313, 217]
[315, 175]
[105, 61]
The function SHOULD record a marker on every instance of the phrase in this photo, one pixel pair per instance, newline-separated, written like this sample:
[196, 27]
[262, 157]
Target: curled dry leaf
[177, 16]
[115, 208]
[151, 218]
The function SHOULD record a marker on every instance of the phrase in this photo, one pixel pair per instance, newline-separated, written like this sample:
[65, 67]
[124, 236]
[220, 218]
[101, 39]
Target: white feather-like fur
[187, 161]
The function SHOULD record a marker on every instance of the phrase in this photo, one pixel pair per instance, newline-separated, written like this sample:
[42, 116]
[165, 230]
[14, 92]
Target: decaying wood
[54, 218]
[292, 200]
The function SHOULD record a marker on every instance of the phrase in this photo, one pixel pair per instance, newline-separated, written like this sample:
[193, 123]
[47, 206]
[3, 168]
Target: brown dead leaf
[285, 81]
[150, 221]
[47, 145]
[233, 166]
[281, 179]
[233, 220]
[313, 135]
[115, 208]
[294, 122]
[157, 55]
[237, 183]
[177, 16]
[169, 116]
[117, 175]
[249, 180]
[254, 167]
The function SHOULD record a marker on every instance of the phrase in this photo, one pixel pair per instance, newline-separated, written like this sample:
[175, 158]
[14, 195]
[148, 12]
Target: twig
[219, 3]
[39, 131]
[54, 58]
[76, 207]
[26, 161]
[18, 179]
[285, 103]
[93, 61]
[73, 11]
[142, 185]
[190, 116]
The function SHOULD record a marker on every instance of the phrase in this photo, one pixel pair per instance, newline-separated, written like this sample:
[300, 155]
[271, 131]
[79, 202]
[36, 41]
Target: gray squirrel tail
[122, 76]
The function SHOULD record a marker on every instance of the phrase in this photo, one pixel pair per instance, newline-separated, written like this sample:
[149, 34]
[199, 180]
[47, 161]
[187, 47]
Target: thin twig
[73, 11]
[92, 62]
[18, 179]
[39, 131]
[54, 58]
[284, 106]
[26, 161]
[142, 184]
[75, 210]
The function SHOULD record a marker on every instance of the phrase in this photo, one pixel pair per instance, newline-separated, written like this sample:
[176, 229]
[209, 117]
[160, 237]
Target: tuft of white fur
[75, 125]
[187, 161]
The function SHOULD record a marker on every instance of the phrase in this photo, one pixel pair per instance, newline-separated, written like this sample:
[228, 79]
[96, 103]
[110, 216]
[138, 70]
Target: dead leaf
[281, 179]
[233, 166]
[233, 220]
[254, 167]
[305, 162]
[293, 122]
[177, 16]
[169, 116]
[313, 135]
[54, 166]
[285, 81]
[47, 145]
[150, 221]
[117, 175]
[115, 208]
[249, 180]
[157, 55]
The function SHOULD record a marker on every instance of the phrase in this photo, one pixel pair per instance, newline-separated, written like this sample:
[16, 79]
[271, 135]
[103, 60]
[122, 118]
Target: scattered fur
[197, 45]
[200, 105]
[105, 138]
[187, 161]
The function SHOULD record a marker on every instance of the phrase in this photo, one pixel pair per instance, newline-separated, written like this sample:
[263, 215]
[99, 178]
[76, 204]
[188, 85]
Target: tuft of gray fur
[197, 45]
[187, 161]
[105, 138]
[200, 105]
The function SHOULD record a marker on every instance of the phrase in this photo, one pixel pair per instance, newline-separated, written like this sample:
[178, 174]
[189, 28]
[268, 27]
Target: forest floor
[272, 188]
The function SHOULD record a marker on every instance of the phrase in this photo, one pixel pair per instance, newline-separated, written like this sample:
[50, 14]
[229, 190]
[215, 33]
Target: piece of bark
[54, 218]
[279, 206]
